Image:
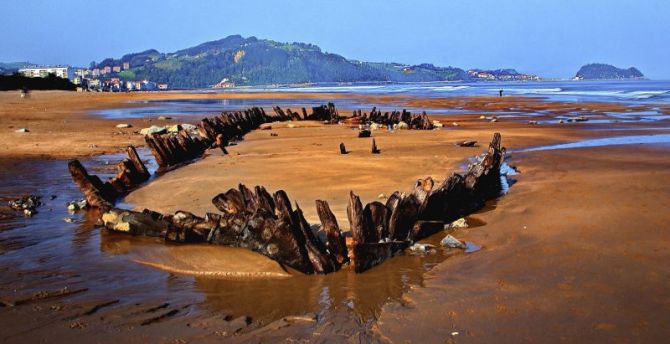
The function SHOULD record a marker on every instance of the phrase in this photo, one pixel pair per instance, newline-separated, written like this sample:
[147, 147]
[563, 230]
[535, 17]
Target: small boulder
[364, 133]
[451, 242]
[460, 223]
[494, 120]
[291, 125]
[265, 126]
[77, 205]
[482, 117]
[164, 118]
[382, 196]
[154, 129]
[401, 125]
[421, 248]
[124, 125]
[532, 122]
[437, 125]
[376, 126]
[454, 124]
[22, 130]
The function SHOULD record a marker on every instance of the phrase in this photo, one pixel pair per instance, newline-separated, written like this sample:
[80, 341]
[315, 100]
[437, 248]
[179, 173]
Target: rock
[421, 248]
[382, 196]
[188, 127]
[460, 223]
[124, 125]
[22, 130]
[26, 204]
[265, 126]
[292, 125]
[466, 143]
[164, 118]
[401, 125]
[274, 134]
[494, 120]
[581, 119]
[561, 121]
[77, 205]
[154, 129]
[375, 126]
[532, 122]
[454, 124]
[451, 242]
[364, 133]
[437, 124]
[69, 219]
[482, 117]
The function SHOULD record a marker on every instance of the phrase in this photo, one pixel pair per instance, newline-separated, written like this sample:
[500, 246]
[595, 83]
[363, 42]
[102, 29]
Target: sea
[630, 92]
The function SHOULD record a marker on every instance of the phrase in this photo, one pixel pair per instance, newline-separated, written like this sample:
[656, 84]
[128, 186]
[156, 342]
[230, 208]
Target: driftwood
[131, 173]
[375, 150]
[466, 143]
[413, 121]
[343, 150]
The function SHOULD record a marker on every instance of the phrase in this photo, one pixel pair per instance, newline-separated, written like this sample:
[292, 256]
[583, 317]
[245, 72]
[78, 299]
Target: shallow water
[45, 253]
[208, 107]
[601, 142]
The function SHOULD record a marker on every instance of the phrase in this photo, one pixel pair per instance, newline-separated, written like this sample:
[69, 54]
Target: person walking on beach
[25, 92]
[501, 92]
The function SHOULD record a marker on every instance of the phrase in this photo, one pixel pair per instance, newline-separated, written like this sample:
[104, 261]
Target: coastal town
[115, 78]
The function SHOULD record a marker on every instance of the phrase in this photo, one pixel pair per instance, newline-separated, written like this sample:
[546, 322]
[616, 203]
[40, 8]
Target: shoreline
[62, 127]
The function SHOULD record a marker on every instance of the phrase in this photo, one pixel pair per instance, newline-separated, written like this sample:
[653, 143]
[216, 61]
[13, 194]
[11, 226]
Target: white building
[64, 72]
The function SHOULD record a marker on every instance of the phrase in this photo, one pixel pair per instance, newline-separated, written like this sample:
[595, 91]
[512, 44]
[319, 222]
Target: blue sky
[549, 37]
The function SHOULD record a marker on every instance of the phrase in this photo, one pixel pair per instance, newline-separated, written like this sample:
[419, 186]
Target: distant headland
[602, 71]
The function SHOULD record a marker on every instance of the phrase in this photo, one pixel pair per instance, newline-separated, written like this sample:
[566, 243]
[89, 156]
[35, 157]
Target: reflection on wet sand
[266, 292]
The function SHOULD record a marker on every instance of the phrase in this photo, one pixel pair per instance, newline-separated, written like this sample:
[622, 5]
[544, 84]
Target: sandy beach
[570, 253]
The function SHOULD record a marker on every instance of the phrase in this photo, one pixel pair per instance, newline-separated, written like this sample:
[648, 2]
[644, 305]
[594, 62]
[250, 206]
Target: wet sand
[573, 252]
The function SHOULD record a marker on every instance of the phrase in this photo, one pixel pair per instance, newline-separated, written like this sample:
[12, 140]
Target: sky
[551, 38]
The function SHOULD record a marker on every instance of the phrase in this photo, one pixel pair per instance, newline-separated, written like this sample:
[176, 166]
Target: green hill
[252, 61]
[595, 71]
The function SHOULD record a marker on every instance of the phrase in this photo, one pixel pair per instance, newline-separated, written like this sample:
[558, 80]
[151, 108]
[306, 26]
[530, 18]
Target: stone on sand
[460, 223]
[22, 130]
[154, 129]
[123, 125]
[401, 125]
[185, 126]
[421, 248]
[451, 242]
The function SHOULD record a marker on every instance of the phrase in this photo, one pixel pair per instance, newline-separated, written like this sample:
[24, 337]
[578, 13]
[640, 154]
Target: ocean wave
[445, 88]
[645, 94]
[555, 90]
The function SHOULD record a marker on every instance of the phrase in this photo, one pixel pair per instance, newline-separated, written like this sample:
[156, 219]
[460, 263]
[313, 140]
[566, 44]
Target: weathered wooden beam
[97, 193]
[343, 150]
[375, 150]
[336, 244]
